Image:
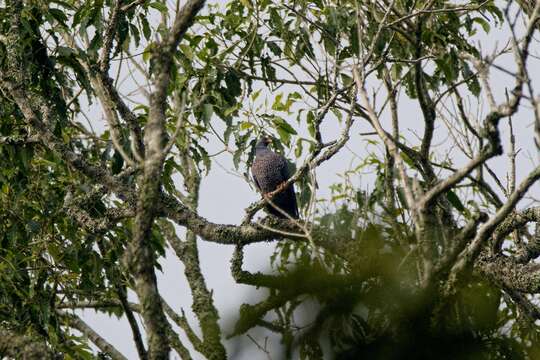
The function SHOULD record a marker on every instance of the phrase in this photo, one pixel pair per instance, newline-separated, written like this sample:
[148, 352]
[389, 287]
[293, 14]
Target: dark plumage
[269, 171]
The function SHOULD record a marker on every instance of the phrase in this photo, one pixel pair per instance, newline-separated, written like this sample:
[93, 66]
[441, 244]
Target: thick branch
[485, 231]
[140, 255]
[458, 244]
[515, 222]
[503, 270]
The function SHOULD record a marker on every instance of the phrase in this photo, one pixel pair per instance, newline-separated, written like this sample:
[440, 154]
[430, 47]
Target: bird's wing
[256, 182]
[283, 166]
[253, 171]
[293, 202]
[285, 172]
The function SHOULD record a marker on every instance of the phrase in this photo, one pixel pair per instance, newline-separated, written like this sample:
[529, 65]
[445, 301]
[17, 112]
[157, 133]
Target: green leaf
[117, 163]
[284, 136]
[346, 79]
[255, 95]
[298, 149]
[283, 125]
[64, 51]
[236, 157]
[58, 15]
[147, 32]
[402, 197]
[247, 4]
[311, 123]
[455, 201]
[186, 50]
[483, 23]
[208, 111]
[277, 102]
[274, 48]
[147, 53]
[233, 83]
[159, 6]
[407, 159]
[62, 3]
[246, 125]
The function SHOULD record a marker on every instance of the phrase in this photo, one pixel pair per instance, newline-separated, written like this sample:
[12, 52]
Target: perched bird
[270, 171]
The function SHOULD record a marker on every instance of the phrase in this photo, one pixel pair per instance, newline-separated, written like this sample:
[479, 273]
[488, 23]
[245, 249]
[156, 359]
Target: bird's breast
[268, 173]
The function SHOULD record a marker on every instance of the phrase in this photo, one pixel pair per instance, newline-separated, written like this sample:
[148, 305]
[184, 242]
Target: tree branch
[313, 161]
[486, 230]
[110, 32]
[13, 345]
[140, 255]
[503, 270]
[76, 322]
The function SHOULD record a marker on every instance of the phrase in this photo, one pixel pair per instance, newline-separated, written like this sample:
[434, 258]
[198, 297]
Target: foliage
[95, 173]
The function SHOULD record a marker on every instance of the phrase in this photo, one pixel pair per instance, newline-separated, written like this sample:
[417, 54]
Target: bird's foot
[280, 187]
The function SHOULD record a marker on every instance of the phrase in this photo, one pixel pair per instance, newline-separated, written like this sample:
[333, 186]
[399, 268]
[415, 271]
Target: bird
[270, 171]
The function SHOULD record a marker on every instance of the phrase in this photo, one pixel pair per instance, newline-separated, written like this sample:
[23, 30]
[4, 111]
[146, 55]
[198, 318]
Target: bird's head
[263, 142]
[262, 145]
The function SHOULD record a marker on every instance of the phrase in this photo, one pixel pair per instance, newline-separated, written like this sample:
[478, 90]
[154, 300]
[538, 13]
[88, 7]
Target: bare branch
[182, 322]
[389, 143]
[77, 323]
[486, 230]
